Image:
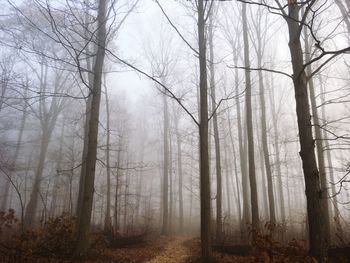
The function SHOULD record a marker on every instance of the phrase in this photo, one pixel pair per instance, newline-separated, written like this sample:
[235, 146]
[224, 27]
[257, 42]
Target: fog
[222, 120]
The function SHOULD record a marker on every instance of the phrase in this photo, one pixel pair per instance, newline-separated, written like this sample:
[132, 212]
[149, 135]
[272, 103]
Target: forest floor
[181, 249]
[161, 249]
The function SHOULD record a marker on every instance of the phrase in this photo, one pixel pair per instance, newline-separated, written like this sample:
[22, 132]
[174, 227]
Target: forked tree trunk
[316, 220]
[319, 142]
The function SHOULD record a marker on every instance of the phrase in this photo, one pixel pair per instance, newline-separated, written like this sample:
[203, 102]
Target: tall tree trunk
[319, 143]
[216, 134]
[206, 250]
[264, 140]
[165, 224]
[179, 168]
[242, 154]
[248, 97]
[108, 220]
[90, 62]
[263, 183]
[87, 188]
[56, 186]
[116, 199]
[17, 150]
[241, 222]
[171, 179]
[29, 218]
[277, 153]
[227, 181]
[316, 219]
[330, 166]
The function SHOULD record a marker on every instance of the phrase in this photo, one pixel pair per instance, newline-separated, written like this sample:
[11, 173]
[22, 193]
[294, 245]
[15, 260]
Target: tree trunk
[206, 250]
[108, 220]
[165, 224]
[29, 218]
[116, 199]
[87, 188]
[316, 220]
[216, 135]
[171, 179]
[248, 97]
[179, 168]
[56, 186]
[18, 147]
[266, 147]
[277, 154]
[242, 155]
[319, 143]
[339, 229]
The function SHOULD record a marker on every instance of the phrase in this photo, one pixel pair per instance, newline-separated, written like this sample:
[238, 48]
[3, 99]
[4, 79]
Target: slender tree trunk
[179, 168]
[227, 181]
[330, 167]
[316, 219]
[263, 191]
[265, 144]
[242, 156]
[216, 135]
[165, 224]
[116, 199]
[171, 178]
[108, 220]
[205, 211]
[248, 96]
[277, 154]
[29, 218]
[17, 150]
[56, 186]
[85, 207]
[319, 143]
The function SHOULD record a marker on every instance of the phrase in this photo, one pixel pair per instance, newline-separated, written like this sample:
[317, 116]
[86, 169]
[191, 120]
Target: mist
[174, 131]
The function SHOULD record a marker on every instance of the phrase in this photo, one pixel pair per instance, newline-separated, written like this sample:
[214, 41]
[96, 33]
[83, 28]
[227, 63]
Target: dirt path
[175, 252]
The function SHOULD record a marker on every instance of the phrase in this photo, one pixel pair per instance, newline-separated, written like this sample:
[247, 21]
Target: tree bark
[206, 250]
[277, 154]
[319, 142]
[336, 215]
[216, 134]
[165, 224]
[108, 220]
[179, 168]
[316, 220]
[266, 150]
[87, 188]
[248, 97]
[17, 150]
[242, 154]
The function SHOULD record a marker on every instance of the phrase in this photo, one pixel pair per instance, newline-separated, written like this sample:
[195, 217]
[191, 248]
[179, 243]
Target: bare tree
[249, 122]
[87, 188]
